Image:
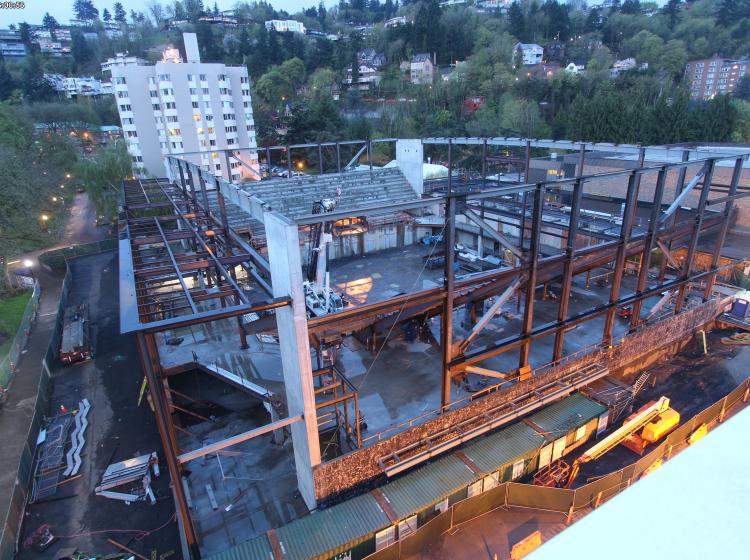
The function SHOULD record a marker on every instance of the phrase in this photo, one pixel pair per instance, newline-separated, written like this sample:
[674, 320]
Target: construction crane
[654, 420]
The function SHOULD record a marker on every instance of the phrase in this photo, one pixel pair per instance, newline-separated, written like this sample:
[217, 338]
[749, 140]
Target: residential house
[370, 57]
[625, 65]
[554, 50]
[122, 59]
[10, 44]
[573, 68]
[368, 76]
[284, 25]
[527, 53]
[422, 69]
[222, 20]
[474, 103]
[396, 21]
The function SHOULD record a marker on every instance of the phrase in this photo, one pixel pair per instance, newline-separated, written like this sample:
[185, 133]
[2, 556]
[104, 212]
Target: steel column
[527, 161]
[724, 227]
[484, 163]
[693, 246]
[289, 161]
[678, 189]
[149, 356]
[369, 154]
[320, 159]
[338, 157]
[528, 311]
[268, 160]
[582, 159]
[567, 279]
[229, 166]
[446, 318]
[631, 201]
[204, 190]
[650, 245]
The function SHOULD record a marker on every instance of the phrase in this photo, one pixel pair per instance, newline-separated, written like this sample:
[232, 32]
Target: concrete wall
[410, 157]
[634, 354]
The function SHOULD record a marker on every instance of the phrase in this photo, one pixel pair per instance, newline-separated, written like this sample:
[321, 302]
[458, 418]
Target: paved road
[18, 410]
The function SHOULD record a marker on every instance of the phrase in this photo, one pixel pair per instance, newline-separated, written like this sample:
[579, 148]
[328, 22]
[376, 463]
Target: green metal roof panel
[506, 446]
[427, 485]
[566, 415]
[327, 529]
[255, 549]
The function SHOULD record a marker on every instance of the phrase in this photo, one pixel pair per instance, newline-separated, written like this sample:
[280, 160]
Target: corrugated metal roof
[325, 530]
[504, 447]
[567, 414]
[427, 485]
[255, 549]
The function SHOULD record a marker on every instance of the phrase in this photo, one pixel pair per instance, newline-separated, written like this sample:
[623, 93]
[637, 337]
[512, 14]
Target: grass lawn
[11, 313]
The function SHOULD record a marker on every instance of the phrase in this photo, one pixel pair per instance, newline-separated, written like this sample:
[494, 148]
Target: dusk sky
[62, 10]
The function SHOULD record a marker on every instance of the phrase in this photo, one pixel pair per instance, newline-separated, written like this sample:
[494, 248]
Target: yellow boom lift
[655, 420]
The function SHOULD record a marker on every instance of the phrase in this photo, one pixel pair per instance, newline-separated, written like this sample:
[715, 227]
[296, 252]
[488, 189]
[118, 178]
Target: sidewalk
[17, 412]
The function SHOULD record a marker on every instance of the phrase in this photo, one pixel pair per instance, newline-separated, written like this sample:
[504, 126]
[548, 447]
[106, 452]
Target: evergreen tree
[85, 9]
[517, 20]
[727, 12]
[49, 22]
[119, 12]
[7, 85]
[106, 16]
[672, 11]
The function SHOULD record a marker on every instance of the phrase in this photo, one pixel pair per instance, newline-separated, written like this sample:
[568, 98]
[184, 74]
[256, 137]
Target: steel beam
[658, 305]
[570, 251]
[528, 311]
[185, 289]
[631, 201]
[490, 313]
[149, 355]
[683, 194]
[650, 245]
[446, 318]
[237, 439]
[716, 257]
[698, 225]
[497, 236]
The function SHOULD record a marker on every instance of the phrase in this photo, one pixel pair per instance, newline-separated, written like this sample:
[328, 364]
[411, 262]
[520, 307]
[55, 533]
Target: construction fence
[561, 500]
[11, 528]
[58, 258]
[9, 363]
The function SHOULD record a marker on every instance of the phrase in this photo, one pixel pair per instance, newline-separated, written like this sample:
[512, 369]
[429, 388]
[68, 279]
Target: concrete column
[410, 156]
[291, 321]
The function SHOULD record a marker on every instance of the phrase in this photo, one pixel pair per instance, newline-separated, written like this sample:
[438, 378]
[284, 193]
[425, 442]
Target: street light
[67, 175]
[54, 199]
[28, 263]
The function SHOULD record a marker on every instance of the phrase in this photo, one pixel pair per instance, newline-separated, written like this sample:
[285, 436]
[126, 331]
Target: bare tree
[157, 12]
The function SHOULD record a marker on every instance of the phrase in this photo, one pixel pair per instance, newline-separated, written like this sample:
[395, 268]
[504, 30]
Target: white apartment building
[284, 25]
[187, 107]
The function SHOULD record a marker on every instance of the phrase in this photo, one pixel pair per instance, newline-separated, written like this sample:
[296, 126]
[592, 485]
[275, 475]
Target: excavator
[648, 425]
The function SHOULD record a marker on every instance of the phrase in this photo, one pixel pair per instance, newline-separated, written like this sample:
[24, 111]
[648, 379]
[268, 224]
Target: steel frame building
[179, 262]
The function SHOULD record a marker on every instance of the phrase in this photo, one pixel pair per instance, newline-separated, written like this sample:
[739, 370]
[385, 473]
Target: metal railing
[578, 354]
[567, 502]
[9, 363]
[57, 258]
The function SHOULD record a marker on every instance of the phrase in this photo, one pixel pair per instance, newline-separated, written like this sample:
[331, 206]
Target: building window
[223, 91]
[167, 91]
[230, 129]
[155, 107]
[209, 117]
[125, 108]
[231, 141]
[132, 134]
[193, 91]
[170, 105]
[191, 77]
[195, 105]
[202, 77]
[151, 80]
[217, 166]
[153, 93]
[211, 130]
[127, 121]
[138, 159]
[212, 142]
[222, 78]
[244, 80]
[197, 118]
[163, 77]
[171, 118]
[120, 80]
[174, 132]
[204, 91]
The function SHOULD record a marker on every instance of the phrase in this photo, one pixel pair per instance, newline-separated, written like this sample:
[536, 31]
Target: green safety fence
[9, 362]
[57, 258]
